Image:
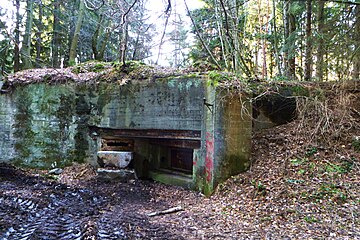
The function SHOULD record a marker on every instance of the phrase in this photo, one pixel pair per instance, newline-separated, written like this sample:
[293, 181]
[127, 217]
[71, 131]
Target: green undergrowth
[319, 178]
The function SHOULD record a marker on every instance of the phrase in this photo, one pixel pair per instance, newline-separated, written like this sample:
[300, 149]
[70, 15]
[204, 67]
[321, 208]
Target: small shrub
[311, 219]
[356, 143]
[344, 167]
[298, 161]
[260, 187]
[330, 191]
[311, 151]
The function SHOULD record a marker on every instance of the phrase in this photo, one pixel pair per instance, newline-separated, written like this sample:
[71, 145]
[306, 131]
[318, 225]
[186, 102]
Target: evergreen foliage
[263, 39]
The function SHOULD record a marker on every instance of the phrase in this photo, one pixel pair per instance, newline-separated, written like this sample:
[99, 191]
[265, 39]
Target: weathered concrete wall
[47, 125]
[43, 126]
[233, 135]
[168, 104]
[226, 139]
[6, 130]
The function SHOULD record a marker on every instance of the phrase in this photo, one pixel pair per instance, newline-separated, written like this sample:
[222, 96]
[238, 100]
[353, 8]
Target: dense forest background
[264, 39]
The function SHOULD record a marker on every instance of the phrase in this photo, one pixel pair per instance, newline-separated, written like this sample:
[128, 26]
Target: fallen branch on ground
[167, 211]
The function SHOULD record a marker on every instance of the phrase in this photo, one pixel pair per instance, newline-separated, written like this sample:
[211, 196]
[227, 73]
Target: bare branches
[163, 35]
[226, 19]
[91, 6]
[341, 1]
[124, 37]
[127, 12]
[200, 37]
[168, 8]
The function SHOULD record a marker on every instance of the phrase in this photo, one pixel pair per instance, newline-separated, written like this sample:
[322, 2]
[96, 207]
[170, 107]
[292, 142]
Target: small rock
[111, 174]
[56, 171]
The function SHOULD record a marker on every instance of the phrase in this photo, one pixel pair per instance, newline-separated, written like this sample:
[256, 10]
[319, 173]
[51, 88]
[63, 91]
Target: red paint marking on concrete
[195, 161]
[209, 159]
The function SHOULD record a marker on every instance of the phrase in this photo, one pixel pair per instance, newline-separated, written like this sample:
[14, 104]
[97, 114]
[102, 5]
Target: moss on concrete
[172, 179]
[91, 66]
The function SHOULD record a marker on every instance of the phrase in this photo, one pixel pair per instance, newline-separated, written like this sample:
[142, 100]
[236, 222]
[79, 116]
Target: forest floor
[303, 183]
[314, 196]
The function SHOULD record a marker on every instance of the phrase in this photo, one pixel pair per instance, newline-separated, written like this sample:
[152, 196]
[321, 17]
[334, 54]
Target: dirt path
[32, 207]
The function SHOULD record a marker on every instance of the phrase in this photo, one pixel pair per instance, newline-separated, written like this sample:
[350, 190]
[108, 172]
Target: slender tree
[356, 56]
[25, 50]
[56, 36]
[276, 44]
[289, 30]
[320, 46]
[39, 43]
[98, 47]
[17, 37]
[75, 39]
[308, 51]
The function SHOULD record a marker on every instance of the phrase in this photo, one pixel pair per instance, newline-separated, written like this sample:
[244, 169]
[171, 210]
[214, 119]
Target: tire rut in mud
[71, 215]
[33, 207]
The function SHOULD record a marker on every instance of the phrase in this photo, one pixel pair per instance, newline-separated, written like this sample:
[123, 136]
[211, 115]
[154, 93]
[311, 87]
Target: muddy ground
[34, 207]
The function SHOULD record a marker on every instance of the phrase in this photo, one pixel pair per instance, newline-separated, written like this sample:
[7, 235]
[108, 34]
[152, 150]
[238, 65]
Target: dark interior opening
[118, 144]
[182, 159]
[168, 150]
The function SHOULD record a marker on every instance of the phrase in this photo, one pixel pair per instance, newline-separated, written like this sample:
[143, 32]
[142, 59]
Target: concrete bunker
[180, 131]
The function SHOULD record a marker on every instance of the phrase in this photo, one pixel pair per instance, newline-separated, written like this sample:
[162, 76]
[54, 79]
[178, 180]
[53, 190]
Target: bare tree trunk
[231, 18]
[124, 36]
[292, 29]
[264, 69]
[123, 45]
[38, 35]
[74, 42]
[286, 36]
[162, 38]
[103, 45]
[98, 47]
[276, 47]
[356, 58]
[320, 49]
[289, 28]
[198, 33]
[55, 42]
[95, 37]
[26, 44]
[301, 50]
[220, 28]
[308, 52]
[17, 37]
[71, 29]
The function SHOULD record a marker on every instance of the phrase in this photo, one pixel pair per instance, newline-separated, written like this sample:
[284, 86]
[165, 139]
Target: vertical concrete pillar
[226, 138]
[233, 135]
[205, 158]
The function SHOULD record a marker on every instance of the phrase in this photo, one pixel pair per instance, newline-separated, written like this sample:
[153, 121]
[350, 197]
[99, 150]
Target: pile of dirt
[77, 173]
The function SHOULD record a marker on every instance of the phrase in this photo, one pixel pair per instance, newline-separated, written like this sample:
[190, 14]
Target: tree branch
[340, 1]
[93, 8]
[168, 9]
[127, 12]
[226, 18]
[200, 37]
